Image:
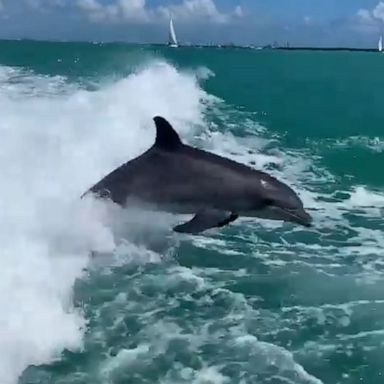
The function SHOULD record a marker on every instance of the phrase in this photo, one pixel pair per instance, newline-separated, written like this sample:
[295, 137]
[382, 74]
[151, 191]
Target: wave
[58, 139]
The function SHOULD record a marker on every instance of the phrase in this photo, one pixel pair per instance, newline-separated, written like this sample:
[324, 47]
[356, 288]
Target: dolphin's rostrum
[174, 177]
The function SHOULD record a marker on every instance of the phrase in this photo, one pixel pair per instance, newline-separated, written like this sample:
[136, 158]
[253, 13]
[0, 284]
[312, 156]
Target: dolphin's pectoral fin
[205, 220]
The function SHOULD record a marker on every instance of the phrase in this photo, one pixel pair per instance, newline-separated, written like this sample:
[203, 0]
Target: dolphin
[177, 178]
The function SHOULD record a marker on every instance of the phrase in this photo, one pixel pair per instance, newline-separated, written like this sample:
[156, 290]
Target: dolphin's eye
[267, 202]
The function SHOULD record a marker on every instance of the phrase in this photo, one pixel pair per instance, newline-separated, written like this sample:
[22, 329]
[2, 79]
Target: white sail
[172, 35]
[380, 45]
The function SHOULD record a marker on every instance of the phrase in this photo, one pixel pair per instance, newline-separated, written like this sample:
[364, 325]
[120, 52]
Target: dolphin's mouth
[299, 216]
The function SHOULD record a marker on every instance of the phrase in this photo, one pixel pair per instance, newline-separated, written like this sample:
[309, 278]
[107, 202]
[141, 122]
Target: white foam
[124, 359]
[278, 357]
[375, 144]
[204, 73]
[363, 197]
[210, 375]
[55, 145]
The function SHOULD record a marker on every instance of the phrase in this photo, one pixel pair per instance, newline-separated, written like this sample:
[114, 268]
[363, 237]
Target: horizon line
[271, 46]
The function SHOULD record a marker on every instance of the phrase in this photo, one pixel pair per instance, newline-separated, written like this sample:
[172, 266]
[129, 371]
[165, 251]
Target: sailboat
[172, 40]
[380, 44]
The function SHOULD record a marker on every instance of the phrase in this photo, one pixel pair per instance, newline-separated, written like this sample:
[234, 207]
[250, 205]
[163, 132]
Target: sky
[352, 23]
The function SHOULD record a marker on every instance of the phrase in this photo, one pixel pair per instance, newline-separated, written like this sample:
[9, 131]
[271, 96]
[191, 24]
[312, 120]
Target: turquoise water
[255, 302]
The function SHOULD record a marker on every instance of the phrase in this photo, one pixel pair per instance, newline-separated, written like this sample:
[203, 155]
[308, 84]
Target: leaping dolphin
[177, 178]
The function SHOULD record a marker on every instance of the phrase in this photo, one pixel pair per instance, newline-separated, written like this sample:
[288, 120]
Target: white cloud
[373, 16]
[364, 15]
[89, 5]
[378, 12]
[238, 11]
[199, 10]
[34, 3]
[44, 4]
[96, 11]
[307, 20]
[137, 10]
[121, 10]
[370, 21]
[134, 9]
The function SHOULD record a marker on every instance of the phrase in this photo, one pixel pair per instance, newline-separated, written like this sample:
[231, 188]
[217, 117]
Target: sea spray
[54, 146]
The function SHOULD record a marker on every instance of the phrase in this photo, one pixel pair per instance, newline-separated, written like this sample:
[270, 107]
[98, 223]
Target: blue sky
[301, 22]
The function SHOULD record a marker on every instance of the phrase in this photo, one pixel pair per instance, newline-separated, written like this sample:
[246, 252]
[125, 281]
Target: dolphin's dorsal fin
[166, 137]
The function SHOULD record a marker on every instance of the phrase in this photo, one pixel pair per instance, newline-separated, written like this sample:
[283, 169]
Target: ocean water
[92, 294]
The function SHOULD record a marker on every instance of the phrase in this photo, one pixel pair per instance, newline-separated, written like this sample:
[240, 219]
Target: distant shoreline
[280, 48]
[327, 49]
[217, 46]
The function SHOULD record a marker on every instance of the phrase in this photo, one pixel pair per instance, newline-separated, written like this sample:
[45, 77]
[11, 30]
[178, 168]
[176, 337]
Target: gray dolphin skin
[177, 178]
